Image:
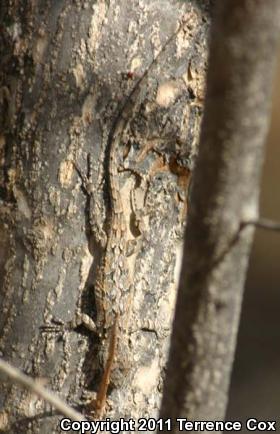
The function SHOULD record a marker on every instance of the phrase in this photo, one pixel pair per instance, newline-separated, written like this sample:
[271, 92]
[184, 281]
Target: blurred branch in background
[224, 196]
[255, 380]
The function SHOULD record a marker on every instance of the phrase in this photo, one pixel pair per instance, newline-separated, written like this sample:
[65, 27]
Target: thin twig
[263, 223]
[16, 376]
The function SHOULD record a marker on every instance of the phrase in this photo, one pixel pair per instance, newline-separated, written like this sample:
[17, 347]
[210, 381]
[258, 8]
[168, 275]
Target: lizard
[112, 288]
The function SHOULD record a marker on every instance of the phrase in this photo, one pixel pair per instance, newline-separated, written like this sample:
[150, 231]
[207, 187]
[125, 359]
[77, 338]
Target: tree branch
[263, 223]
[16, 376]
[224, 194]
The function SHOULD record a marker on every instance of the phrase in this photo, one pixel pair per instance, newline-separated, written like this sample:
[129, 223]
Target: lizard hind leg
[57, 325]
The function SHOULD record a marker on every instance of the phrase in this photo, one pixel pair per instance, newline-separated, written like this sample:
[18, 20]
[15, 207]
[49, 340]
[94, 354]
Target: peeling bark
[66, 69]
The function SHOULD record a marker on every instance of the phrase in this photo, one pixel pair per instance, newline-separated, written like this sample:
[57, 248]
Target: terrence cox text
[151, 425]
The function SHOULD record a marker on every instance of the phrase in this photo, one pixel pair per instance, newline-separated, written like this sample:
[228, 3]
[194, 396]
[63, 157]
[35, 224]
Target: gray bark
[65, 72]
[224, 196]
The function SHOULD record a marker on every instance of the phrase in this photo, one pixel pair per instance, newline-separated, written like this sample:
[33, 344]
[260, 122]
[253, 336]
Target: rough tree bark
[224, 199]
[66, 69]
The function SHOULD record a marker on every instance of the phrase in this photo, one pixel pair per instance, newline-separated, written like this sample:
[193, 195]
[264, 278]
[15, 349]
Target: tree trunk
[67, 73]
